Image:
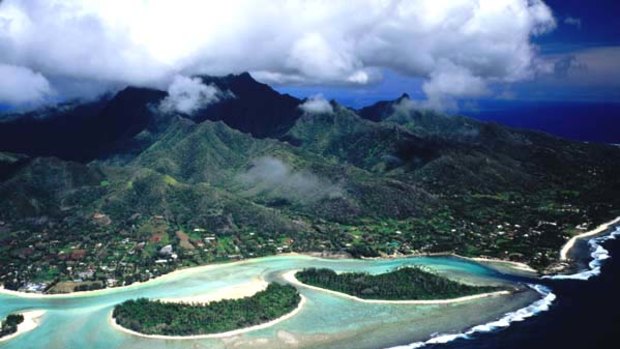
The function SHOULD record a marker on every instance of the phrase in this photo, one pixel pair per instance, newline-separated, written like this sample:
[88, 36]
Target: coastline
[566, 249]
[172, 274]
[232, 333]
[290, 278]
[516, 266]
[511, 265]
[239, 291]
[160, 278]
[603, 231]
[32, 319]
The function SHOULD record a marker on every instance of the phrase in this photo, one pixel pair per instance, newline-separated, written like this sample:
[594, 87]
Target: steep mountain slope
[255, 108]
[254, 175]
[83, 132]
[80, 132]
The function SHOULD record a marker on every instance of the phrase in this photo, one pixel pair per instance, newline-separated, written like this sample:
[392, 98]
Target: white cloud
[405, 106]
[188, 95]
[147, 43]
[585, 74]
[273, 176]
[574, 21]
[20, 86]
[450, 81]
[317, 105]
[590, 67]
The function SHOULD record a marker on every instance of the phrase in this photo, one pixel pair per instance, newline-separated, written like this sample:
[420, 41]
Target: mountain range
[106, 185]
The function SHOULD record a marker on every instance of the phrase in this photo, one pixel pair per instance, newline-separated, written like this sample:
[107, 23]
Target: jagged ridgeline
[253, 173]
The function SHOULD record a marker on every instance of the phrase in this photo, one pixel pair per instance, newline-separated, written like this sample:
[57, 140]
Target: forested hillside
[132, 192]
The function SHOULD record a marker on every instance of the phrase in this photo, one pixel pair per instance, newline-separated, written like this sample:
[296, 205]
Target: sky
[446, 54]
[580, 59]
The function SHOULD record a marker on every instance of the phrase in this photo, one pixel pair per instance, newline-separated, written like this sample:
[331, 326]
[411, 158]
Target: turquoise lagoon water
[326, 321]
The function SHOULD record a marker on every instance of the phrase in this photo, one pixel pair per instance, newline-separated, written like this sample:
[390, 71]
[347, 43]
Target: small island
[10, 323]
[154, 317]
[409, 283]
[17, 324]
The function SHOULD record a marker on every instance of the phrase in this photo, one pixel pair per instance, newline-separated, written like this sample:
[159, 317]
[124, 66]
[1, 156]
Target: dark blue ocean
[580, 121]
[585, 314]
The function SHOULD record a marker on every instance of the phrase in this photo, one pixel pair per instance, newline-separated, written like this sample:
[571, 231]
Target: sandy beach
[176, 273]
[243, 290]
[601, 228]
[290, 278]
[514, 265]
[32, 319]
[164, 277]
[233, 333]
[517, 266]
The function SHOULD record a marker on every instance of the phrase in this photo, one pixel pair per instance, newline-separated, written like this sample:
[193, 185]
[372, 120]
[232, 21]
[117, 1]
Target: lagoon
[78, 321]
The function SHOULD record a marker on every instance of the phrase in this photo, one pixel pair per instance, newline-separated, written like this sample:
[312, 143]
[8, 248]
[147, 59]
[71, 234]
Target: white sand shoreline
[164, 277]
[32, 319]
[516, 265]
[571, 243]
[232, 333]
[246, 289]
[511, 264]
[290, 278]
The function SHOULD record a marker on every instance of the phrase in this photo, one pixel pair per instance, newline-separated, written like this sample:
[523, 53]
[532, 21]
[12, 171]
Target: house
[166, 250]
[34, 287]
[86, 274]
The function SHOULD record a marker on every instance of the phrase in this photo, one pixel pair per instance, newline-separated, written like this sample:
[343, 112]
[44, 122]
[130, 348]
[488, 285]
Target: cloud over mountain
[188, 95]
[19, 85]
[449, 43]
[317, 105]
[273, 176]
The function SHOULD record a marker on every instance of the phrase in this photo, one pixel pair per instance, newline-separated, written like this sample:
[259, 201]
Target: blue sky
[587, 33]
[452, 55]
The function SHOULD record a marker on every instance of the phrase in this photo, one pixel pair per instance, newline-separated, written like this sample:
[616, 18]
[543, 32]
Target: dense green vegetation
[409, 283]
[381, 181]
[10, 323]
[175, 319]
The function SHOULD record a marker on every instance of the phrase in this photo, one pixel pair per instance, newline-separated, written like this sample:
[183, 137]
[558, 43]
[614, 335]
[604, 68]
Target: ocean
[580, 121]
[568, 314]
[584, 314]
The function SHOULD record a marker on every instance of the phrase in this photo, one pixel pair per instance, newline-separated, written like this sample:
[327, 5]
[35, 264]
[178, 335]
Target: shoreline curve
[598, 230]
[290, 278]
[32, 320]
[566, 248]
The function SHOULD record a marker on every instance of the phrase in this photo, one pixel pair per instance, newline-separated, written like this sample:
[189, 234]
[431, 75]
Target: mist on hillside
[271, 176]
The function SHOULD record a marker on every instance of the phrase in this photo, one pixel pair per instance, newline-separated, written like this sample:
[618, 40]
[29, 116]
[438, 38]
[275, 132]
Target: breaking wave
[598, 253]
[539, 306]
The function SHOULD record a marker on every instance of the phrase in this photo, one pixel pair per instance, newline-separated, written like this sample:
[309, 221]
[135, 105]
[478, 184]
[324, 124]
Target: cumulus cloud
[188, 95]
[317, 105]
[451, 81]
[19, 86]
[147, 43]
[272, 176]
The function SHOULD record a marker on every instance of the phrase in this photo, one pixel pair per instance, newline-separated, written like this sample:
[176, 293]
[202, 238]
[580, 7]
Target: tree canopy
[179, 319]
[410, 283]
